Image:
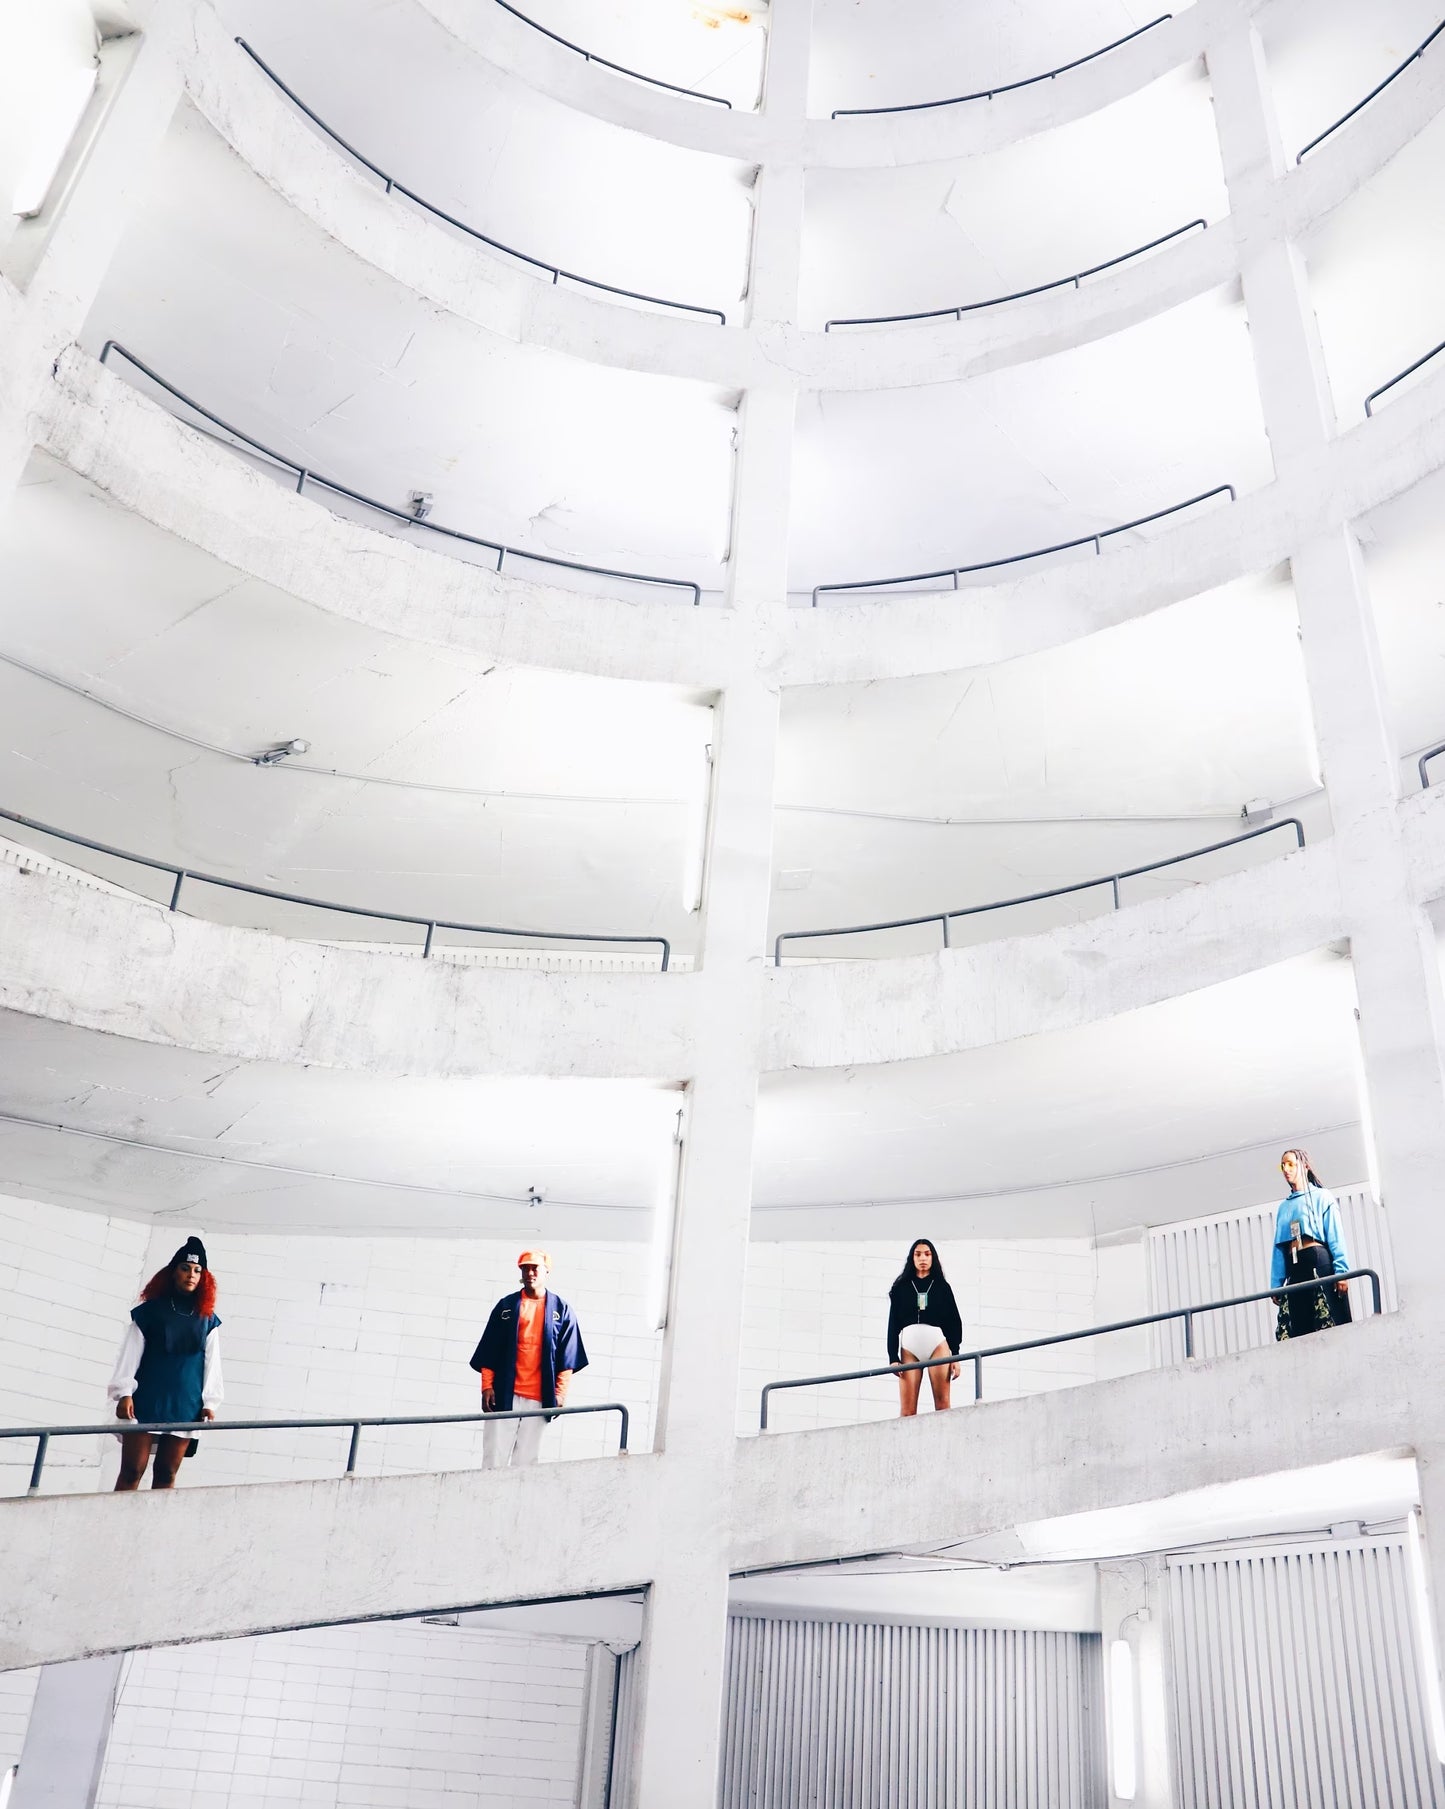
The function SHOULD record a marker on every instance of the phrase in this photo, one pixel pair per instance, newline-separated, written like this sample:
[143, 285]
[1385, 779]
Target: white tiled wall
[17, 1692]
[394, 1716]
[67, 1281]
[819, 1308]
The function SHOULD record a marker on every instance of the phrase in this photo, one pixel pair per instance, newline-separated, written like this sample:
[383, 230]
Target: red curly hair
[161, 1284]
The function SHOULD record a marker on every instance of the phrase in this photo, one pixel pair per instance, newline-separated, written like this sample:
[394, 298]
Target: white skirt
[919, 1342]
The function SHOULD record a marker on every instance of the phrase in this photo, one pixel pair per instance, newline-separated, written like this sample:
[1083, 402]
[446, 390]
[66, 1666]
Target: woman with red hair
[169, 1367]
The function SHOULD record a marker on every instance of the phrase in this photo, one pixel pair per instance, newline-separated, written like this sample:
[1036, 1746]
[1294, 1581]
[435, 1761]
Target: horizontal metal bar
[1082, 885]
[1378, 89]
[1048, 75]
[526, 257]
[1063, 546]
[996, 301]
[591, 56]
[306, 475]
[192, 1428]
[1430, 754]
[429, 924]
[1400, 376]
[976, 1357]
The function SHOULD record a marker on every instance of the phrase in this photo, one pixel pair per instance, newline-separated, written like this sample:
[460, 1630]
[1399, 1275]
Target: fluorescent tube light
[1122, 1755]
[664, 1221]
[694, 852]
[68, 96]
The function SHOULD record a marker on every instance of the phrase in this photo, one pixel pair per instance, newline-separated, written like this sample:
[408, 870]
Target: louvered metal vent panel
[837, 1715]
[1213, 1259]
[1296, 1681]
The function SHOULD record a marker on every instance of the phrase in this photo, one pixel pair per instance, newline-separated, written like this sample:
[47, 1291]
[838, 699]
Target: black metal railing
[193, 1428]
[393, 187]
[1400, 376]
[430, 924]
[1376, 91]
[305, 475]
[957, 100]
[591, 56]
[1431, 753]
[955, 572]
[997, 301]
[943, 918]
[976, 1357]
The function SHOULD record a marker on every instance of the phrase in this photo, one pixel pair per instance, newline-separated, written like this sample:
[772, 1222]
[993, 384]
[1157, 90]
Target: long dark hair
[909, 1274]
[1302, 1156]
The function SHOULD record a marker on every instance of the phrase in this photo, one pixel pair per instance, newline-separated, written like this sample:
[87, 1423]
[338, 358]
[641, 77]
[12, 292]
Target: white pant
[511, 1442]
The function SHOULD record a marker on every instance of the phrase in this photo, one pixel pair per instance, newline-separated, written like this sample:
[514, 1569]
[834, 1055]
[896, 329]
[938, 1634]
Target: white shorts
[920, 1342]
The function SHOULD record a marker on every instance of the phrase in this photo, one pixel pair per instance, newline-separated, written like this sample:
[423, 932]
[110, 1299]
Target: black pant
[1313, 1309]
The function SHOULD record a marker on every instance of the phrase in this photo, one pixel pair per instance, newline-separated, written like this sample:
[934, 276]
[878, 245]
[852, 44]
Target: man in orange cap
[527, 1356]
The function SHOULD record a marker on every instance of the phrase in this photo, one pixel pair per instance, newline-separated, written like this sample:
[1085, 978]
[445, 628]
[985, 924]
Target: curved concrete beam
[83, 952]
[186, 484]
[839, 1014]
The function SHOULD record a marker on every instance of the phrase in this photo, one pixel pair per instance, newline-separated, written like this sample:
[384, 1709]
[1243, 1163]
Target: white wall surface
[386, 1717]
[17, 1692]
[67, 1280]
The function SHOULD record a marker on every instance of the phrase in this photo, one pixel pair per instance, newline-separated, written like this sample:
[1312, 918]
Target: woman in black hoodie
[923, 1322]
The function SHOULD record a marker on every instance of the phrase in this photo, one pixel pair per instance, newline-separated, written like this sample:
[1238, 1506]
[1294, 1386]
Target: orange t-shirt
[531, 1318]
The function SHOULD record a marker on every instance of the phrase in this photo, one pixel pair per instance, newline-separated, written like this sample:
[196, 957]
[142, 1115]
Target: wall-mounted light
[664, 1222]
[1425, 1634]
[694, 853]
[1123, 1735]
[281, 750]
[420, 502]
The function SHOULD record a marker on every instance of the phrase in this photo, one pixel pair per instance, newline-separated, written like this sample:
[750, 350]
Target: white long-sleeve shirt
[132, 1348]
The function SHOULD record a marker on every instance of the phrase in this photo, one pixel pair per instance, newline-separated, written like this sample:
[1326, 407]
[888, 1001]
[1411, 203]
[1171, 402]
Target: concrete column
[1132, 1608]
[59, 260]
[67, 1734]
[778, 201]
[684, 1647]
[1430, 1457]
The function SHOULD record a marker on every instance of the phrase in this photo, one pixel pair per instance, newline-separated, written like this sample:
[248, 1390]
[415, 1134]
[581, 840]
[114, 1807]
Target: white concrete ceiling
[1377, 274]
[881, 53]
[889, 483]
[1324, 55]
[433, 783]
[1162, 1114]
[1404, 547]
[542, 177]
[235, 298]
[1170, 1112]
[891, 241]
[1145, 740]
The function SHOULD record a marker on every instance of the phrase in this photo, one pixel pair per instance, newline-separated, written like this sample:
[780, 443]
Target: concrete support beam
[1132, 1607]
[67, 1734]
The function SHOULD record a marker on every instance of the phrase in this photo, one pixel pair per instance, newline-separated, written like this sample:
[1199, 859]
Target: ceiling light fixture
[281, 750]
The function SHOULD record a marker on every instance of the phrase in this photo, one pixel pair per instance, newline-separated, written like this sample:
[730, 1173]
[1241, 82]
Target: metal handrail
[393, 187]
[193, 1428]
[996, 301]
[1378, 89]
[591, 56]
[987, 565]
[430, 924]
[1048, 75]
[1400, 376]
[1083, 885]
[305, 475]
[1431, 753]
[976, 1357]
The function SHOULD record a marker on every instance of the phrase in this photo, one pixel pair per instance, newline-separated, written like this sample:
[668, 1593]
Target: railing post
[1188, 1336]
[300, 481]
[1114, 883]
[978, 1378]
[426, 946]
[176, 888]
[355, 1441]
[622, 1436]
[944, 921]
[1375, 1289]
[763, 1409]
[42, 1445]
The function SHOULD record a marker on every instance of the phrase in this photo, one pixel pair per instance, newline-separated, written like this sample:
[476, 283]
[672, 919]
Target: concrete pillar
[67, 1734]
[58, 261]
[1132, 1607]
[1397, 978]
[1430, 1458]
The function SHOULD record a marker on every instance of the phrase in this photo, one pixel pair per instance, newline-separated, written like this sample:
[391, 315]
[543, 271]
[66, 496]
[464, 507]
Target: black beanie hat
[192, 1247]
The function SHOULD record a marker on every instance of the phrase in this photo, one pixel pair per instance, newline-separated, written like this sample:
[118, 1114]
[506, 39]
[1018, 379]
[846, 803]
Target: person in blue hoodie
[1308, 1244]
